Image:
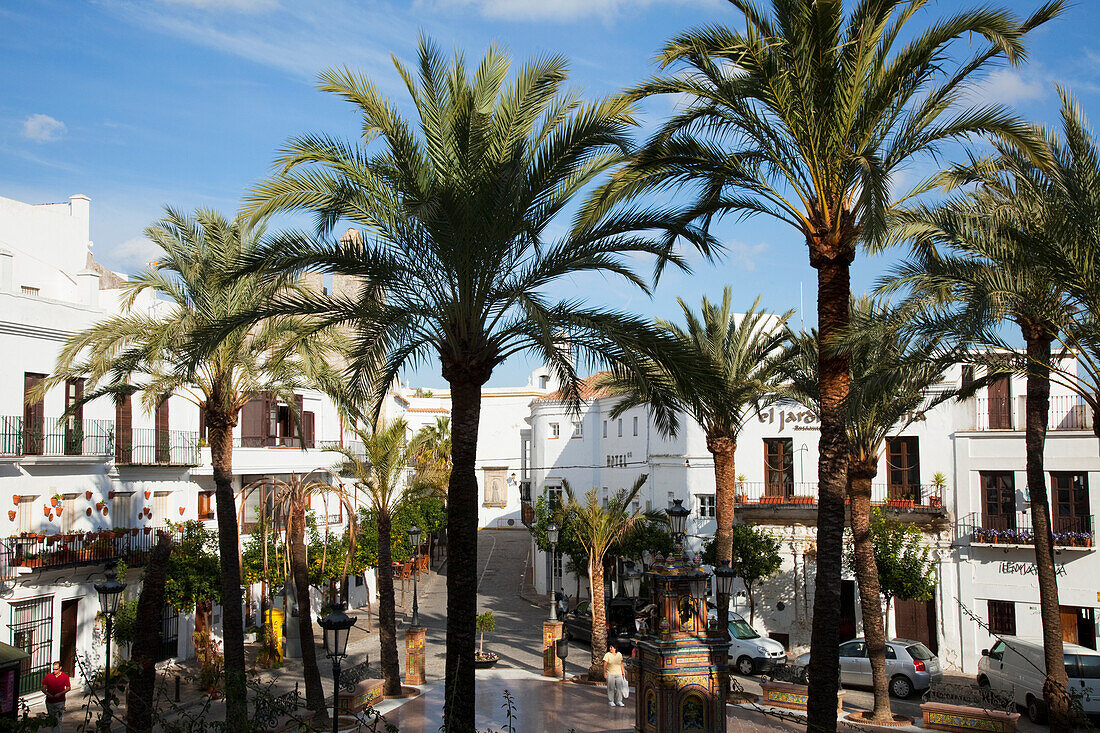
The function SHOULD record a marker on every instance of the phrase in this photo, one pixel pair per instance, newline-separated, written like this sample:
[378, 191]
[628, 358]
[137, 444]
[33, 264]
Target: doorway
[1079, 626]
[847, 610]
[917, 620]
[69, 618]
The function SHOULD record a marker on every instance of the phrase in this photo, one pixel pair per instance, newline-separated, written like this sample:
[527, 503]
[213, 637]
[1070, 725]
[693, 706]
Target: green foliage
[252, 556]
[755, 558]
[906, 569]
[124, 625]
[429, 513]
[485, 623]
[194, 569]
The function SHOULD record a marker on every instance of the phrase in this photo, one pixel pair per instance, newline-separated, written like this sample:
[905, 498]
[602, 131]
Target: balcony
[56, 437]
[1015, 531]
[797, 502]
[1066, 412]
[148, 447]
[46, 552]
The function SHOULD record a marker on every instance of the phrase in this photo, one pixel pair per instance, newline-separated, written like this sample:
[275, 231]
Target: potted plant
[11, 514]
[741, 497]
[88, 495]
[483, 659]
[939, 483]
[55, 499]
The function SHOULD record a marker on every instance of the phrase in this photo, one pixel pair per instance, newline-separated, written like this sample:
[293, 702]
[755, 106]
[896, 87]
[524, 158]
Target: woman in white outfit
[616, 680]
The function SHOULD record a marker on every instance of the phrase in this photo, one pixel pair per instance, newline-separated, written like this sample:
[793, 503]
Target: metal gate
[169, 634]
[32, 631]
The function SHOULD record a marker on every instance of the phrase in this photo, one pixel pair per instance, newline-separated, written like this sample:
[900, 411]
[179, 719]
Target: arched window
[693, 713]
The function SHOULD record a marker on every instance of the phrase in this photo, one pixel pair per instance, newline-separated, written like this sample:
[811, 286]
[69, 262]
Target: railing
[787, 494]
[38, 551]
[148, 447]
[272, 441]
[354, 447]
[1066, 412]
[56, 437]
[1016, 529]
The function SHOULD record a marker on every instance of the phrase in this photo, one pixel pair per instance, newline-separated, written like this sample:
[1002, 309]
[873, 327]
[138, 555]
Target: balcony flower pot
[31, 562]
[46, 511]
[181, 511]
[15, 499]
[900, 503]
[148, 530]
[104, 511]
[134, 531]
[772, 500]
[88, 495]
[742, 498]
[935, 502]
[88, 511]
[53, 501]
[59, 510]
[110, 494]
[11, 514]
[148, 494]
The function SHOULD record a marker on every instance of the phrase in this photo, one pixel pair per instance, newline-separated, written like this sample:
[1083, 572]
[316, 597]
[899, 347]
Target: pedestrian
[55, 685]
[613, 673]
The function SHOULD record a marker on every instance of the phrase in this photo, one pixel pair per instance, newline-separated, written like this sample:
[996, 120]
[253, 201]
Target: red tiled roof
[435, 410]
[587, 389]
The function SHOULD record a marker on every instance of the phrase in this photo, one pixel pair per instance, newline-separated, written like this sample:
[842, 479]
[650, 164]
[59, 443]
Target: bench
[790, 695]
[944, 716]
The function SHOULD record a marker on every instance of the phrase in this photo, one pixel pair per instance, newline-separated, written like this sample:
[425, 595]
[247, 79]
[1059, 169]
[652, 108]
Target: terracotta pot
[15, 499]
[148, 494]
[148, 530]
[104, 511]
[59, 510]
[134, 531]
[11, 514]
[110, 494]
[87, 495]
[181, 511]
[88, 511]
[46, 511]
[53, 501]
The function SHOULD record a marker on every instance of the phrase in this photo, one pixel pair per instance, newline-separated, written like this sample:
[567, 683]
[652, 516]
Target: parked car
[1015, 666]
[621, 612]
[750, 652]
[910, 665]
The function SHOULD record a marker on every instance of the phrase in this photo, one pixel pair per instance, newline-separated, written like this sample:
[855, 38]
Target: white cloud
[1008, 86]
[553, 10]
[237, 6]
[43, 128]
[744, 254]
[135, 253]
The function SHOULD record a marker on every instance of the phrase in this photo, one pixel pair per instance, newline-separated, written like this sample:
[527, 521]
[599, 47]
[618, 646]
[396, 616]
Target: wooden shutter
[34, 416]
[298, 422]
[74, 423]
[160, 432]
[124, 429]
[999, 395]
[253, 415]
[307, 428]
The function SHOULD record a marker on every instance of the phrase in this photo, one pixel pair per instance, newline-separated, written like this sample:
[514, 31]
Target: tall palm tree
[380, 472]
[597, 527]
[433, 458]
[166, 351]
[454, 261]
[737, 369]
[806, 116]
[893, 376]
[974, 267]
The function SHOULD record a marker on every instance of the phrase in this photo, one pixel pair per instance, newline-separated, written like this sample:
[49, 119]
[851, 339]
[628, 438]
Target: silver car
[910, 665]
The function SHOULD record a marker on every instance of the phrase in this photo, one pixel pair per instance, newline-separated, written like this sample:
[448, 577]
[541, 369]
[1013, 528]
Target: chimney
[88, 281]
[80, 209]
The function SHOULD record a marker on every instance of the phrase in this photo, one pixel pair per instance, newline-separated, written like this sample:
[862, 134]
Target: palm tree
[737, 369]
[974, 266]
[433, 458]
[454, 261]
[598, 527]
[165, 351]
[380, 473]
[806, 116]
[893, 374]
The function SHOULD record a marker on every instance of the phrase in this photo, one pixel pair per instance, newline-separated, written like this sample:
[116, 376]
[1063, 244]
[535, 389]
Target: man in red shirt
[55, 685]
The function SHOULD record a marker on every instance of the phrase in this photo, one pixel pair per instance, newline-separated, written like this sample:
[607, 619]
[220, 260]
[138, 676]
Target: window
[967, 377]
[853, 649]
[635, 425]
[32, 631]
[605, 428]
[206, 507]
[74, 422]
[998, 500]
[122, 513]
[903, 469]
[778, 467]
[1070, 505]
[1002, 617]
[34, 416]
[578, 429]
[124, 429]
[705, 502]
[620, 427]
[998, 651]
[67, 509]
[544, 381]
[555, 430]
[553, 494]
[29, 291]
[163, 450]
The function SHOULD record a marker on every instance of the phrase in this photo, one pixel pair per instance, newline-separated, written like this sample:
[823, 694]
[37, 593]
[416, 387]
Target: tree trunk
[874, 630]
[833, 293]
[1038, 341]
[387, 622]
[725, 487]
[299, 566]
[147, 639]
[599, 618]
[462, 508]
[220, 431]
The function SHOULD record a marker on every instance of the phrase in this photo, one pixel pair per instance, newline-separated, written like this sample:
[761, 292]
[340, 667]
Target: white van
[1015, 667]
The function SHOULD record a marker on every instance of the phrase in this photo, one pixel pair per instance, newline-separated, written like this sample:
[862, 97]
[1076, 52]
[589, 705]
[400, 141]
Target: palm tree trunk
[299, 565]
[874, 630]
[462, 506]
[833, 293]
[140, 691]
[387, 622]
[599, 618]
[1038, 341]
[725, 486]
[220, 430]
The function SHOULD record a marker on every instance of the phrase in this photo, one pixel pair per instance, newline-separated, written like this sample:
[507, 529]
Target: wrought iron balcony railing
[149, 447]
[1016, 529]
[46, 551]
[785, 494]
[55, 436]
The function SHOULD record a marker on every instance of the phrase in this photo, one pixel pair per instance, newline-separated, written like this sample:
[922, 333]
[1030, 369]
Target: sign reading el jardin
[807, 420]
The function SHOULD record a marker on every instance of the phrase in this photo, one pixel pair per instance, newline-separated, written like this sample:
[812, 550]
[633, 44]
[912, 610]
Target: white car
[1014, 667]
[751, 653]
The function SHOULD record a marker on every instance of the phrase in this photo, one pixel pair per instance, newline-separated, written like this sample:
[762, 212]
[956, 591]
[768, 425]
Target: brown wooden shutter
[307, 428]
[34, 416]
[253, 416]
[297, 422]
[160, 432]
[124, 429]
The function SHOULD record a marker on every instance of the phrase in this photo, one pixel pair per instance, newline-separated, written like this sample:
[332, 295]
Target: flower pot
[11, 514]
[88, 511]
[110, 494]
[46, 511]
[104, 511]
[134, 532]
[88, 495]
[53, 501]
[486, 661]
[15, 499]
[181, 511]
[59, 510]
[148, 530]
[148, 494]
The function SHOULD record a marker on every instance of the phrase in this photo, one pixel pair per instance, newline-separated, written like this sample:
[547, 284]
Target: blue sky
[183, 102]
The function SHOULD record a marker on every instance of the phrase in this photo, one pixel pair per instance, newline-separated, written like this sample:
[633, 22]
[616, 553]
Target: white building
[978, 447]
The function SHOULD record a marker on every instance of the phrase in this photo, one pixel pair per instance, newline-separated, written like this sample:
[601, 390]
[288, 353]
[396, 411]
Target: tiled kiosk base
[367, 692]
[787, 695]
[940, 716]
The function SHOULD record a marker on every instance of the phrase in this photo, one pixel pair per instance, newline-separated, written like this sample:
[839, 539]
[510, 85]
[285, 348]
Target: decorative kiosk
[680, 662]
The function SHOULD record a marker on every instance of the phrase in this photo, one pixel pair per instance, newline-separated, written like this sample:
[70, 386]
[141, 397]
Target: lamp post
[552, 534]
[677, 519]
[414, 540]
[632, 579]
[337, 626]
[110, 592]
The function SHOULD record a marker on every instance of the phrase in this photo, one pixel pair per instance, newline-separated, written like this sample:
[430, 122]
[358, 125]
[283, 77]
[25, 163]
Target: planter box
[787, 695]
[773, 500]
[367, 693]
[941, 716]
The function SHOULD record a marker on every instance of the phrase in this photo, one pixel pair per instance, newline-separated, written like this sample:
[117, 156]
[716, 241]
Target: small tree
[906, 569]
[485, 622]
[755, 558]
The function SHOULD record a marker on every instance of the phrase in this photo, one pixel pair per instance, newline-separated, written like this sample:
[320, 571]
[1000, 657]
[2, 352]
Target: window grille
[169, 634]
[1002, 617]
[32, 631]
[706, 506]
[635, 426]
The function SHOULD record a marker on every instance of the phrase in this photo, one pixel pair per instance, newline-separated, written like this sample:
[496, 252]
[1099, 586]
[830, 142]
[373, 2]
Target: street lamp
[677, 518]
[632, 580]
[414, 540]
[110, 592]
[337, 626]
[552, 535]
